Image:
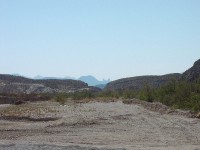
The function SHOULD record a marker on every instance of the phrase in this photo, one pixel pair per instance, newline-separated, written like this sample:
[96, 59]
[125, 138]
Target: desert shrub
[109, 94]
[82, 95]
[180, 94]
[194, 102]
[127, 94]
[61, 98]
[146, 93]
[177, 94]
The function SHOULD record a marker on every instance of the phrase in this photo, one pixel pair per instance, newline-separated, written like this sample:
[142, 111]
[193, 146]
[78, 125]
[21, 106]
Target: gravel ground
[97, 125]
[45, 147]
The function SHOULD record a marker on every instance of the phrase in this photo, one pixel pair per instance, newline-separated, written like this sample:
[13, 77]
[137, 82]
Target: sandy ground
[96, 125]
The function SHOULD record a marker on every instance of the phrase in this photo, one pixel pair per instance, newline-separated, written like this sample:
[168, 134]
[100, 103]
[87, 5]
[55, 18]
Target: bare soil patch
[97, 125]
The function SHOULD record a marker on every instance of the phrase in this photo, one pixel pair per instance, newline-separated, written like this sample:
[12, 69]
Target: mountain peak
[88, 76]
[92, 81]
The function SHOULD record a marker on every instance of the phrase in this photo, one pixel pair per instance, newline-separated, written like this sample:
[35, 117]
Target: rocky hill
[10, 84]
[138, 83]
[193, 73]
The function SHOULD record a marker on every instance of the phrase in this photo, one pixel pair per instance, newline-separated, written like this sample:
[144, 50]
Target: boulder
[198, 115]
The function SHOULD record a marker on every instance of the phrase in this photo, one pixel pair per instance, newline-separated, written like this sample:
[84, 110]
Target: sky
[104, 38]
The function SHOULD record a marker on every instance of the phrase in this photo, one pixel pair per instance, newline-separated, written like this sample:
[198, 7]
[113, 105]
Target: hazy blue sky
[104, 38]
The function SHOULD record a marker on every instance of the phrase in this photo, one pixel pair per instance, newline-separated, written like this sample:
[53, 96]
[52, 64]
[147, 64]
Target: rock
[19, 102]
[198, 115]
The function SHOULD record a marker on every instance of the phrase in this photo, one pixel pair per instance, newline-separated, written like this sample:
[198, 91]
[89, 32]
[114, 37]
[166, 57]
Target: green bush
[182, 95]
[61, 98]
[109, 94]
[127, 94]
[83, 94]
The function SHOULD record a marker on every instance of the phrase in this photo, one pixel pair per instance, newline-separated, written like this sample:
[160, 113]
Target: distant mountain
[38, 77]
[16, 74]
[92, 81]
[101, 86]
[41, 77]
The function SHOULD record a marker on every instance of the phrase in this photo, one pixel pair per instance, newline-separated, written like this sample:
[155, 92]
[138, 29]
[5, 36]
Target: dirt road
[97, 125]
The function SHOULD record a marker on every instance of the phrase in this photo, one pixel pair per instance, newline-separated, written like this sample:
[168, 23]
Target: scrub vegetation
[176, 94]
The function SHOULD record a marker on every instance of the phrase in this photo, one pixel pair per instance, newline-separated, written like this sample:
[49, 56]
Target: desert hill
[15, 85]
[137, 83]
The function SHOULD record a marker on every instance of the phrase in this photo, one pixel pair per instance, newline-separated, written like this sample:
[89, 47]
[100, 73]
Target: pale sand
[102, 125]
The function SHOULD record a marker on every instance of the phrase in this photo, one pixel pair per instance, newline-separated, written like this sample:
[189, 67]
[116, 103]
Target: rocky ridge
[10, 84]
[137, 83]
